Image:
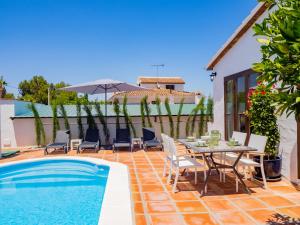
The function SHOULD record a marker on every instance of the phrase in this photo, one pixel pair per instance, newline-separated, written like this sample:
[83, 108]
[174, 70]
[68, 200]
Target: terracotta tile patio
[154, 202]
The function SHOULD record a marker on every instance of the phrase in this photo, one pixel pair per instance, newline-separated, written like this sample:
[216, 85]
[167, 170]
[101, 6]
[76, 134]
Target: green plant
[195, 114]
[39, 127]
[202, 124]
[79, 120]
[89, 116]
[117, 111]
[263, 120]
[210, 109]
[280, 48]
[55, 122]
[158, 107]
[127, 117]
[3, 84]
[142, 108]
[171, 123]
[178, 118]
[148, 111]
[65, 117]
[103, 121]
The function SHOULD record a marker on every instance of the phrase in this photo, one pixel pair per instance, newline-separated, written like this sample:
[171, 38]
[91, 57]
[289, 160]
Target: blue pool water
[52, 192]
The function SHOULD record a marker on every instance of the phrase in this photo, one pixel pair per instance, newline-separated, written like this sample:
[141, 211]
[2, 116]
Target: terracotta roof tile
[164, 80]
[160, 92]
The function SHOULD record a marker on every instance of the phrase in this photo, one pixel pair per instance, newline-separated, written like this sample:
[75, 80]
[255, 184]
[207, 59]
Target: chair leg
[176, 180]
[165, 167]
[263, 175]
[204, 174]
[236, 184]
[170, 172]
[195, 175]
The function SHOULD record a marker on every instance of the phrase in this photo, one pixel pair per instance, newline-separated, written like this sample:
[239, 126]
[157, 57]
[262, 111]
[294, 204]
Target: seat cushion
[187, 162]
[248, 162]
[122, 144]
[57, 145]
[87, 144]
[152, 143]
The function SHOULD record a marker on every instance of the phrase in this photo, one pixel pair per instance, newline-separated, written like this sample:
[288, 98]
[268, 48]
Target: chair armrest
[255, 153]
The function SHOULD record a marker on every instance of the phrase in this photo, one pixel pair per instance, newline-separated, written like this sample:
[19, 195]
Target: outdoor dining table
[223, 147]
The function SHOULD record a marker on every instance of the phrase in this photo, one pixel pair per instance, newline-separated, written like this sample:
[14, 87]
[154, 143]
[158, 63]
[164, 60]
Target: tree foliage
[55, 122]
[178, 118]
[263, 120]
[117, 110]
[128, 121]
[158, 107]
[142, 108]
[103, 121]
[210, 109]
[171, 123]
[147, 110]
[89, 116]
[65, 117]
[202, 122]
[280, 46]
[36, 90]
[79, 120]
[39, 126]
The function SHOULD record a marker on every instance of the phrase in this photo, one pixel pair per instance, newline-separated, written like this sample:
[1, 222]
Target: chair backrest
[239, 136]
[172, 148]
[148, 134]
[123, 135]
[62, 136]
[258, 142]
[165, 143]
[92, 135]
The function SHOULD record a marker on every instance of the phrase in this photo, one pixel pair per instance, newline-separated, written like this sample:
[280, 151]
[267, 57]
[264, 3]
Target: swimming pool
[60, 191]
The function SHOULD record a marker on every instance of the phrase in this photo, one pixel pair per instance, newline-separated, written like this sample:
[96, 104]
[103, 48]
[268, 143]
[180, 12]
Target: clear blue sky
[83, 40]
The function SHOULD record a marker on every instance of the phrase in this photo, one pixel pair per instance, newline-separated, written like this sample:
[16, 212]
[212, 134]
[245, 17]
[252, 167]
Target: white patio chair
[182, 162]
[168, 155]
[240, 137]
[257, 142]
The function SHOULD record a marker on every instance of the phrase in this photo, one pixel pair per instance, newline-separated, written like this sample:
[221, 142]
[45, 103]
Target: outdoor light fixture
[212, 76]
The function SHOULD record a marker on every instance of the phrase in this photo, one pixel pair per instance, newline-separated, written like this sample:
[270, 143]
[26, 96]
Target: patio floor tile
[219, 205]
[152, 188]
[156, 196]
[263, 216]
[160, 207]
[138, 207]
[140, 219]
[191, 206]
[276, 201]
[293, 212]
[169, 219]
[234, 218]
[183, 196]
[248, 203]
[198, 219]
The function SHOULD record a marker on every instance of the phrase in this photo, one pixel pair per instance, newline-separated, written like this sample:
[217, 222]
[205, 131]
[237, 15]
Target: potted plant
[263, 121]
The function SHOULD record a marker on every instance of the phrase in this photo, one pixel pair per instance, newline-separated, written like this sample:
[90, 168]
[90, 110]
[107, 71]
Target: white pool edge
[116, 206]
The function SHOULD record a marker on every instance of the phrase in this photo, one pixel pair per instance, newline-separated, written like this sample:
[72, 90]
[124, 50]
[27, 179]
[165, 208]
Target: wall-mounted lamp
[212, 76]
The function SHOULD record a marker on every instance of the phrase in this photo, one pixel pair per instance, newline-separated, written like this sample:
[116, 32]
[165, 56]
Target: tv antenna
[157, 66]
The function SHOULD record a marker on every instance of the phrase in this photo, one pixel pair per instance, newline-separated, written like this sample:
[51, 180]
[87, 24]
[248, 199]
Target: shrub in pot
[263, 121]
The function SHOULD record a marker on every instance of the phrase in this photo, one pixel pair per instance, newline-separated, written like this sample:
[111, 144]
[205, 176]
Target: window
[236, 88]
[170, 86]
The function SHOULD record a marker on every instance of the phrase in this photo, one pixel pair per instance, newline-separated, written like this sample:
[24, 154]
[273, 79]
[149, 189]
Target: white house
[171, 83]
[232, 65]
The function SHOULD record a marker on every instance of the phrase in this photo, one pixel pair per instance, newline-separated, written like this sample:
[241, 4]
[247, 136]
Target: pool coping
[117, 205]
